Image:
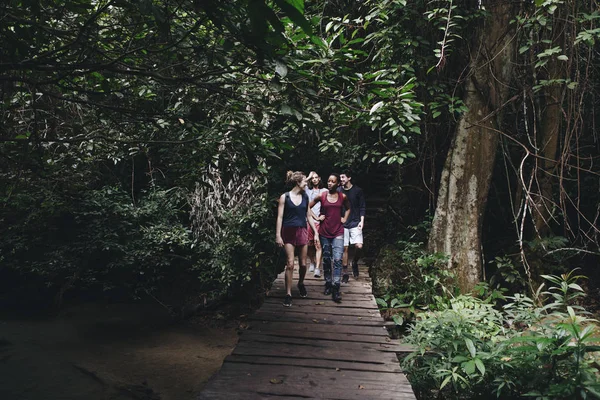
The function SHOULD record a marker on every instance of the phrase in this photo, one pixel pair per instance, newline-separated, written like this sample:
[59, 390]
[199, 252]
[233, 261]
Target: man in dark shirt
[354, 225]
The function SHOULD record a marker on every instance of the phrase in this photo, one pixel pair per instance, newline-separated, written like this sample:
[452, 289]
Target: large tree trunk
[467, 172]
[551, 116]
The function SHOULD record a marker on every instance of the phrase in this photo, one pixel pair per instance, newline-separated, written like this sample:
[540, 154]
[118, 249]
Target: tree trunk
[466, 176]
[551, 117]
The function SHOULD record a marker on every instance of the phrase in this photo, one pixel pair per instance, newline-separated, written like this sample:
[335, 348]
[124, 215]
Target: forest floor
[111, 352]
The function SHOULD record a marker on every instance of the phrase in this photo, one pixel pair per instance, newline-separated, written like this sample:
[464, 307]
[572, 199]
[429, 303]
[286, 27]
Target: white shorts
[352, 236]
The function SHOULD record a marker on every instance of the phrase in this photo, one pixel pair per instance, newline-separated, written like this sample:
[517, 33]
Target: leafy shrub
[408, 279]
[467, 349]
[98, 243]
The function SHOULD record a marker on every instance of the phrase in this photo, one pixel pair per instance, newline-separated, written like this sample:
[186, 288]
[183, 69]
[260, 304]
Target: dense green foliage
[469, 349]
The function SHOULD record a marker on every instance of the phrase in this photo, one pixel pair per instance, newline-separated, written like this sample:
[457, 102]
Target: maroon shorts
[311, 234]
[295, 235]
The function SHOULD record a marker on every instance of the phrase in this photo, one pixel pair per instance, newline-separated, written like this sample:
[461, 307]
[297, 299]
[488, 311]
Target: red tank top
[331, 226]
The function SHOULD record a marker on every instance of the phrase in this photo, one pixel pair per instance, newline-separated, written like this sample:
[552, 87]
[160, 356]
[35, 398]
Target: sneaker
[317, 273]
[302, 289]
[355, 269]
[287, 302]
[327, 291]
[345, 278]
[335, 294]
[311, 268]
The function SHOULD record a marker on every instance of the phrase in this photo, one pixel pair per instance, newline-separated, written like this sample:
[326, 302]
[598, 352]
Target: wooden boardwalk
[315, 349]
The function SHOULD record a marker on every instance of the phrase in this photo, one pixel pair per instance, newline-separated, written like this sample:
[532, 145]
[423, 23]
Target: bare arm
[347, 206]
[279, 223]
[311, 214]
[311, 222]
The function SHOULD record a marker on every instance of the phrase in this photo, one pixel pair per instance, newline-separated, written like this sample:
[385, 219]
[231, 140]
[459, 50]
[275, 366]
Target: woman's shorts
[294, 235]
[311, 234]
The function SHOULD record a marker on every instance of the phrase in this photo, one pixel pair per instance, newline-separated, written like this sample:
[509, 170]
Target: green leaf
[469, 367]
[376, 107]
[398, 320]
[294, 9]
[480, 366]
[445, 382]
[286, 110]
[471, 347]
[281, 69]
[381, 302]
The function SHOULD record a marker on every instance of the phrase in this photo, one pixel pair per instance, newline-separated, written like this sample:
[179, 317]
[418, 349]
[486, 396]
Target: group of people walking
[320, 224]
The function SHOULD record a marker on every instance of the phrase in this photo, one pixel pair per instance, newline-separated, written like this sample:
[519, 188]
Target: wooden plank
[308, 300]
[300, 373]
[349, 313]
[314, 363]
[228, 393]
[339, 336]
[322, 307]
[319, 295]
[350, 346]
[317, 328]
[321, 283]
[324, 319]
[309, 385]
[325, 353]
[208, 394]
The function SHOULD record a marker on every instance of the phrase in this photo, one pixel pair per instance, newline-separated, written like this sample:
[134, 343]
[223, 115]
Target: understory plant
[415, 280]
[469, 348]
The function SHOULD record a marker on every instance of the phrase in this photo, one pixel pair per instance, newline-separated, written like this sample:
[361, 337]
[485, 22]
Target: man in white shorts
[353, 228]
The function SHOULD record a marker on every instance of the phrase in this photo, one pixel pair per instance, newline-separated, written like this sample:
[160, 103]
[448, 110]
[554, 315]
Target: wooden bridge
[315, 349]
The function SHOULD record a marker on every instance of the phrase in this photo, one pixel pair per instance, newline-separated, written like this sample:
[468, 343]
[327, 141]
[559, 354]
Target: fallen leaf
[315, 321]
[319, 303]
[276, 381]
[337, 369]
[361, 387]
[359, 317]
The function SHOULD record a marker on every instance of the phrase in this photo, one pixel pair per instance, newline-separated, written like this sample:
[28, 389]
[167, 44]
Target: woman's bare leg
[302, 252]
[289, 267]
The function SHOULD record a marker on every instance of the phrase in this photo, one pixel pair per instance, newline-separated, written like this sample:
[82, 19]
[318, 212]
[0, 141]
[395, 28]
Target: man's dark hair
[347, 172]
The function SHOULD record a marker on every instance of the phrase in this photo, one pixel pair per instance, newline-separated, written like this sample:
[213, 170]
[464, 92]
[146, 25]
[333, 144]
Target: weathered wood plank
[309, 326]
[317, 377]
[365, 304]
[325, 353]
[326, 343]
[322, 307]
[315, 363]
[339, 336]
[319, 314]
[331, 385]
[325, 319]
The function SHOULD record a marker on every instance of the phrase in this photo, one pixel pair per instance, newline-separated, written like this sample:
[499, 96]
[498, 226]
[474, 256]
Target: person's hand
[317, 243]
[321, 218]
[344, 220]
[361, 225]
[279, 241]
